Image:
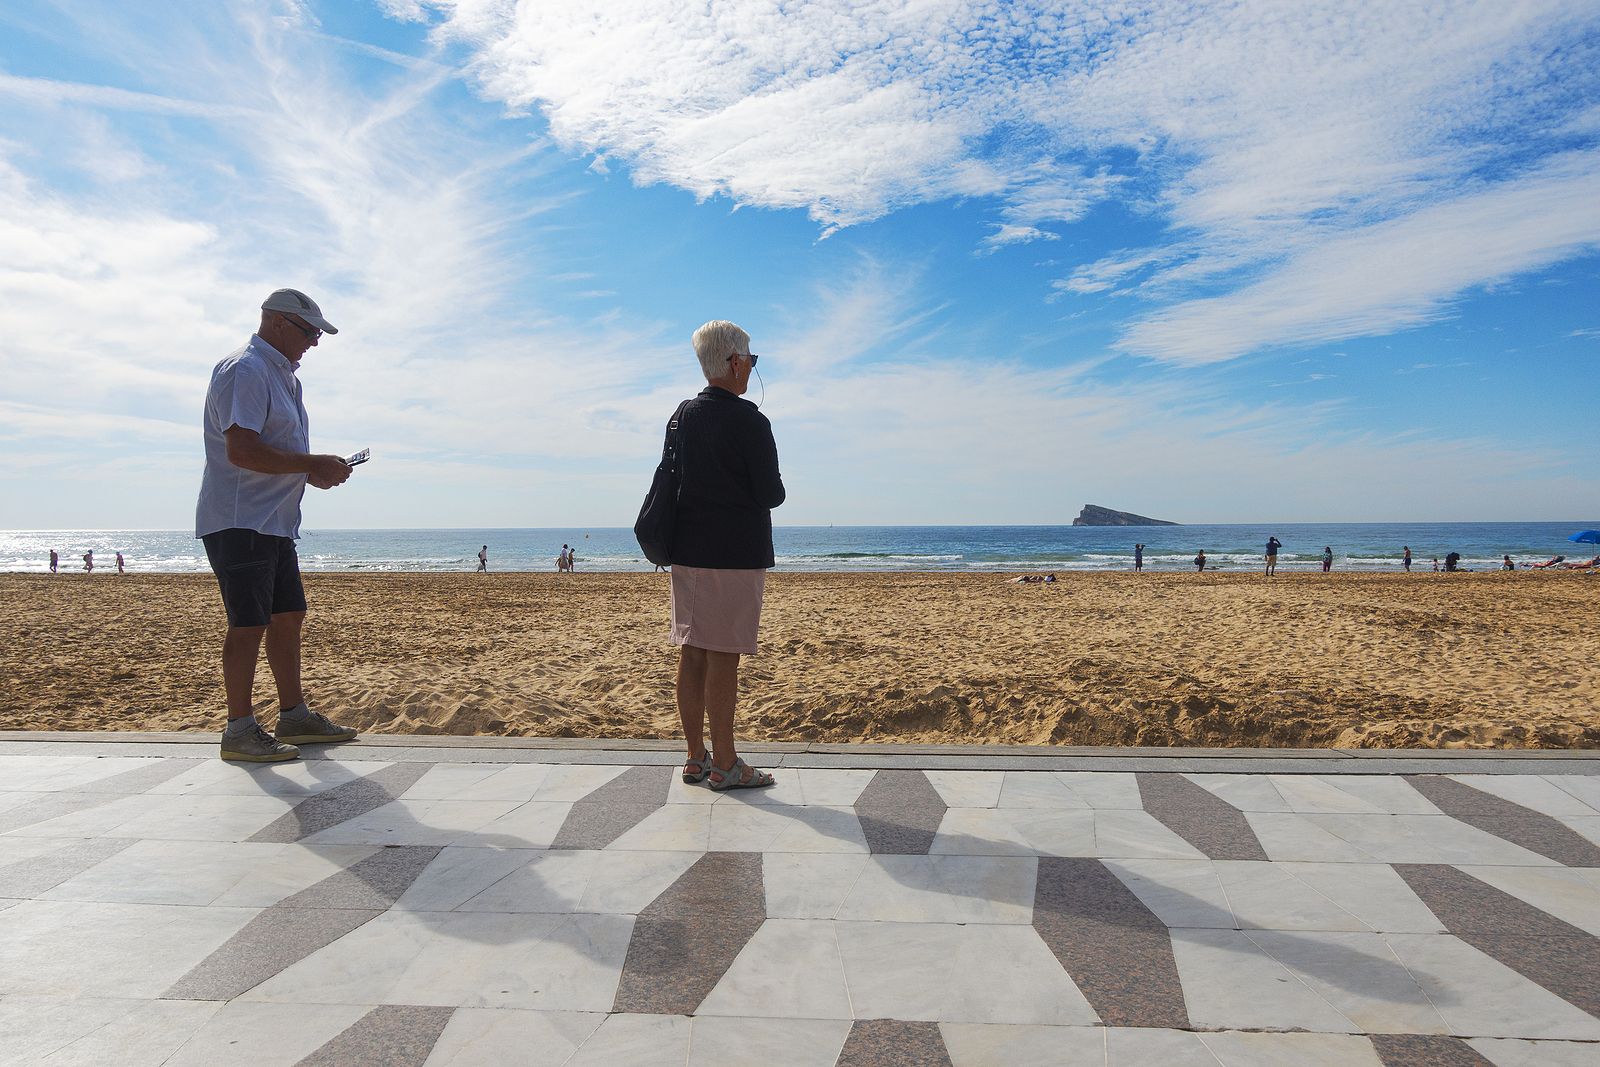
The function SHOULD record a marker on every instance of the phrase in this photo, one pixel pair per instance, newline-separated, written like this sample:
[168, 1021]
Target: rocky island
[1095, 515]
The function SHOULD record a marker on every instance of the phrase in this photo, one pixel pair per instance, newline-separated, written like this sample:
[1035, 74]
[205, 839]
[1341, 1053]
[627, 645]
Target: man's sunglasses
[751, 356]
[311, 332]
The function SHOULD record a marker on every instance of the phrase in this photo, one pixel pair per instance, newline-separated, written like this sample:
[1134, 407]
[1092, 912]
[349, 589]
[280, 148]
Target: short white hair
[715, 342]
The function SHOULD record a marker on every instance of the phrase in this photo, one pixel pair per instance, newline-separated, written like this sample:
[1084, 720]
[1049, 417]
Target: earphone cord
[763, 389]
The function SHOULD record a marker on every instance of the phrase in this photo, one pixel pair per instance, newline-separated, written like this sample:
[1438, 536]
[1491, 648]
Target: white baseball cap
[294, 302]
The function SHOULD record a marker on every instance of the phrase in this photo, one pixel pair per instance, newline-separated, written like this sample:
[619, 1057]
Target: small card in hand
[360, 457]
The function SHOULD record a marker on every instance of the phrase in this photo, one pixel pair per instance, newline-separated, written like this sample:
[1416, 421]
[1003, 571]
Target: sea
[1365, 547]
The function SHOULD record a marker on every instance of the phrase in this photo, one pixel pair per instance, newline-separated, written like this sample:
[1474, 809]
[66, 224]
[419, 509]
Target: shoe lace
[261, 737]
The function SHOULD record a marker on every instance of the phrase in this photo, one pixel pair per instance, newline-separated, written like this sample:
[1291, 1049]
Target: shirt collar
[272, 355]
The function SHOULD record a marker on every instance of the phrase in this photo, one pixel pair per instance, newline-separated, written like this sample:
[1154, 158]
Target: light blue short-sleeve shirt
[254, 388]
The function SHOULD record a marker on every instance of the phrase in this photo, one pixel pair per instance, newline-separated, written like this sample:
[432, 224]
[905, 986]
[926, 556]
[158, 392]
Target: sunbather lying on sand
[1586, 566]
[1556, 562]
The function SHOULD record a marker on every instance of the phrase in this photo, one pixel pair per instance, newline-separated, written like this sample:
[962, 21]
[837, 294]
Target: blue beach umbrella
[1586, 537]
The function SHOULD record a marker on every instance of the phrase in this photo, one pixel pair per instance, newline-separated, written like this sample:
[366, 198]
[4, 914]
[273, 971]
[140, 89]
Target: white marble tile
[742, 828]
[636, 1040]
[622, 883]
[789, 969]
[1388, 793]
[1586, 787]
[1530, 791]
[1372, 892]
[786, 790]
[835, 788]
[790, 1042]
[1137, 834]
[1584, 825]
[993, 832]
[944, 889]
[1310, 795]
[71, 948]
[1565, 893]
[967, 789]
[1359, 975]
[296, 779]
[1425, 839]
[443, 781]
[672, 828]
[573, 782]
[98, 821]
[681, 792]
[61, 1030]
[22, 849]
[945, 973]
[1181, 893]
[1301, 1050]
[1128, 1046]
[1510, 1052]
[1229, 982]
[517, 781]
[9, 800]
[1037, 789]
[416, 822]
[170, 872]
[801, 886]
[295, 868]
[1247, 792]
[204, 818]
[53, 774]
[459, 873]
[243, 1034]
[1286, 836]
[984, 1045]
[491, 1037]
[545, 962]
[532, 824]
[1103, 789]
[745, 827]
[1264, 896]
[145, 1036]
[1480, 997]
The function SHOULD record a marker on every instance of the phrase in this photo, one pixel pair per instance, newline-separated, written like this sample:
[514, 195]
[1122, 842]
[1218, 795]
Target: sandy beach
[1423, 660]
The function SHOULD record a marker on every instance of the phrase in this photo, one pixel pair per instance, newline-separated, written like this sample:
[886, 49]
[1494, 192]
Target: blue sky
[1217, 262]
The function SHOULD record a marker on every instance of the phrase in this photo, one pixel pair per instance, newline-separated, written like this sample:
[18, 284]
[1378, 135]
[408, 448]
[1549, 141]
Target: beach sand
[1422, 660]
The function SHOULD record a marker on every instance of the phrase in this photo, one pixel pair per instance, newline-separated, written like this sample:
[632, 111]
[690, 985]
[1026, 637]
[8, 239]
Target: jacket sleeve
[766, 483]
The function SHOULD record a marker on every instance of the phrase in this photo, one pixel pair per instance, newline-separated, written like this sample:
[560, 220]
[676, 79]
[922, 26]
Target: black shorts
[259, 575]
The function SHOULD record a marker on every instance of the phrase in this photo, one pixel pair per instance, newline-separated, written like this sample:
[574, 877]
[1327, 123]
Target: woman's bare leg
[692, 698]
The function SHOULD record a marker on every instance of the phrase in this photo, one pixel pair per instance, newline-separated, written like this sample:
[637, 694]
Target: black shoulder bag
[658, 518]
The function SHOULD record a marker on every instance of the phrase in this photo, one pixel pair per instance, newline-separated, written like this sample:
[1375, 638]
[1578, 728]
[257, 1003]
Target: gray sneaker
[312, 728]
[257, 746]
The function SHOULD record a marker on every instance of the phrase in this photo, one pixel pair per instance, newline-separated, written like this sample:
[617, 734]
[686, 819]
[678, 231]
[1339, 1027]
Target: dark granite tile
[342, 802]
[892, 1043]
[1426, 1050]
[900, 813]
[392, 1035]
[32, 877]
[1199, 816]
[140, 779]
[1113, 947]
[1537, 945]
[614, 808]
[1533, 830]
[686, 939]
[268, 943]
[373, 883]
[50, 806]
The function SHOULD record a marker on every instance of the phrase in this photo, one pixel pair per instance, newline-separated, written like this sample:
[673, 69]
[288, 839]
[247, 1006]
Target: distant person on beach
[55, 561]
[564, 561]
[1273, 544]
[1436, 563]
[1138, 557]
[88, 562]
[1405, 560]
[1200, 561]
[483, 560]
[258, 463]
[1554, 561]
[1506, 564]
[1327, 559]
[721, 550]
[1586, 565]
[572, 559]
[1452, 561]
[120, 564]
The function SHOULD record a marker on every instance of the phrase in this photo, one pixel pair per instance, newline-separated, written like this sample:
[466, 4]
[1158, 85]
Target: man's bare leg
[240, 650]
[692, 698]
[283, 656]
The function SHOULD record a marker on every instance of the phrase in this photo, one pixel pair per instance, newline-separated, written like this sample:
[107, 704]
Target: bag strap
[669, 447]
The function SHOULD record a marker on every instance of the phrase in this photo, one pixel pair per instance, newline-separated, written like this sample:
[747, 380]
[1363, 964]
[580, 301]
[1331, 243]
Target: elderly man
[258, 461]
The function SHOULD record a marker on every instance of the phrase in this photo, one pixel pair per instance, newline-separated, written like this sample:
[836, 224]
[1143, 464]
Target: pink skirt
[719, 610]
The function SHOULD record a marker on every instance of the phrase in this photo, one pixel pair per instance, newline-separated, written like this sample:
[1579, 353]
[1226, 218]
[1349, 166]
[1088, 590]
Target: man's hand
[325, 472]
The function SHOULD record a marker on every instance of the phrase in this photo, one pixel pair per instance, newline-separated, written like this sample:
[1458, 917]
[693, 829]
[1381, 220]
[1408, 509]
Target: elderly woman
[721, 549]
